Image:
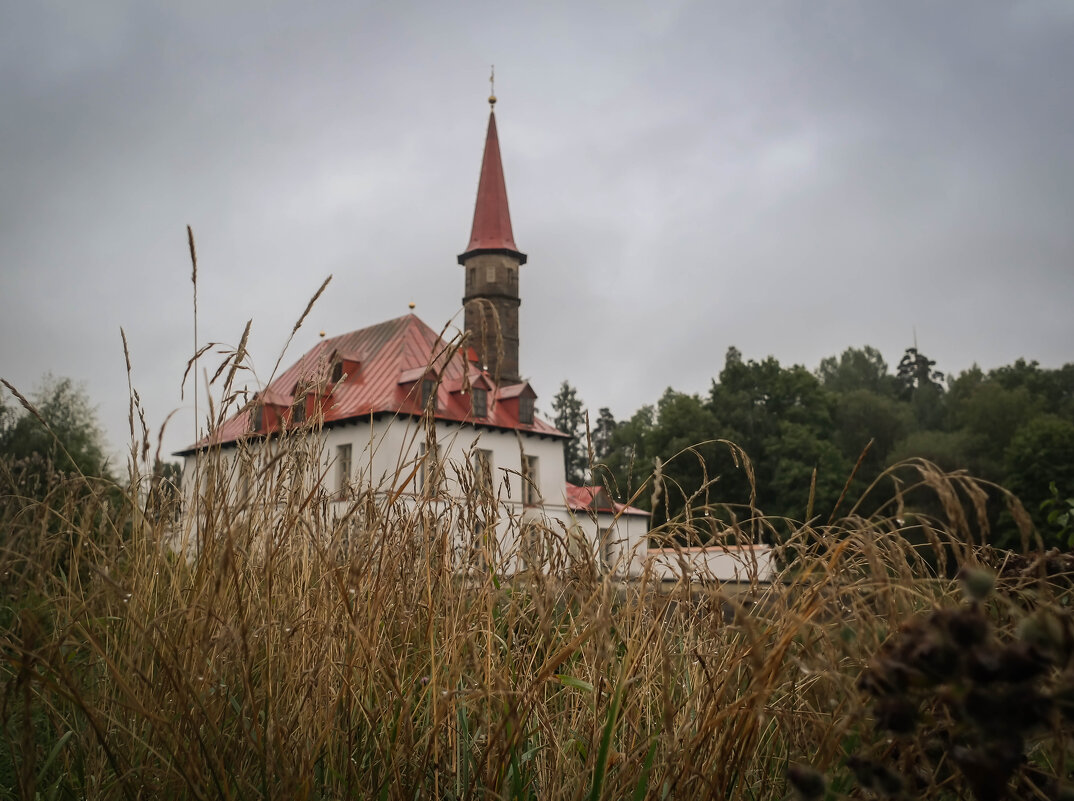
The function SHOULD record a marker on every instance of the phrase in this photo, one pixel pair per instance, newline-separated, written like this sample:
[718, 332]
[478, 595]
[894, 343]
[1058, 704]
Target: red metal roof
[595, 499]
[492, 218]
[515, 390]
[404, 348]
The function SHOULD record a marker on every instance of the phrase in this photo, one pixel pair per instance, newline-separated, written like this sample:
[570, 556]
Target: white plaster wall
[384, 456]
[726, 563]
[622, 551]
[384, 453]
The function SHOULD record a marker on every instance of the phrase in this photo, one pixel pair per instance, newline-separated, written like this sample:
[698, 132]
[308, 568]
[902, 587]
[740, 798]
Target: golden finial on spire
[492, 87]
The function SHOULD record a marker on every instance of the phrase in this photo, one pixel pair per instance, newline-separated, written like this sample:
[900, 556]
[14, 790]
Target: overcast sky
[788, 178]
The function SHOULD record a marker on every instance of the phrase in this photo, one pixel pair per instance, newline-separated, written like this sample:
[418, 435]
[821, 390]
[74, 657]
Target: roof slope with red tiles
[492, 218]
[392, 358]
[595, 499]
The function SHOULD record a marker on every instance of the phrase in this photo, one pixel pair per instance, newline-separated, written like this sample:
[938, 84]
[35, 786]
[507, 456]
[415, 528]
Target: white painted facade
[385, 457]
[392, 457]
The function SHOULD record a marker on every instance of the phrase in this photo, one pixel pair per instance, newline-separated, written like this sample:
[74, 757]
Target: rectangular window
[429, 468]
[343, 469]
[531, 485]
[525, 410]
[483, 472]
[421, 467]
[246, 479]
[534, 547]
[298, 471]
[257, 417]
[428, 394]
[298, 411]
[604, 543]
[480, 547]
[481, 402]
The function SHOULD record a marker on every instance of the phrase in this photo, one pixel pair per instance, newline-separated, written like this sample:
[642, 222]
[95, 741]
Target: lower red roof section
[595, 499]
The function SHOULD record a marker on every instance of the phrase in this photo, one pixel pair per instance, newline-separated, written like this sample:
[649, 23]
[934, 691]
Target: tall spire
[490, 264]
[491, 230]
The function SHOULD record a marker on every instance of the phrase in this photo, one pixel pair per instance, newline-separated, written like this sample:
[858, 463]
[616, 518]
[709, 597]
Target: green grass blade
[642, 787]
[606, 743]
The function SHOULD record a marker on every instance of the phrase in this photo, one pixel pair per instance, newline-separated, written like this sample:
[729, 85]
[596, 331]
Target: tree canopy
[63, 436]
[807, 432]
[570, 418]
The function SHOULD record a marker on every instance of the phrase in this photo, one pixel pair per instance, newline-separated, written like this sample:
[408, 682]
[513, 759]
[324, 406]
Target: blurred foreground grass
[308, 654]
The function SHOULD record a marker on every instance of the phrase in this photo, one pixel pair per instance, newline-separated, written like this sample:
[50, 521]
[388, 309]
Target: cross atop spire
[492, 219]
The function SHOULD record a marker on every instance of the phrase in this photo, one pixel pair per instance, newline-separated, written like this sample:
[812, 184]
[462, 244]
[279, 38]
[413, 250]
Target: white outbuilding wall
[620, 541]
[727, 563]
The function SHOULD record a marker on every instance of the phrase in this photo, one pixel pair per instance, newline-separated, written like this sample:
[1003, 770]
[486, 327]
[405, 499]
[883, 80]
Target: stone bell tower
[491, 263]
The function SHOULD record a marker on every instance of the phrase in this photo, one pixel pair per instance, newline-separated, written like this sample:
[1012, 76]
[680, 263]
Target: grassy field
[305, 654]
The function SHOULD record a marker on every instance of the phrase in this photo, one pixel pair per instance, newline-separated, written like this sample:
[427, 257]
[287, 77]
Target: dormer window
[342, 366]
[298, 411]
[525, 410]
[257, 418]
[428, 394]
[480, 398]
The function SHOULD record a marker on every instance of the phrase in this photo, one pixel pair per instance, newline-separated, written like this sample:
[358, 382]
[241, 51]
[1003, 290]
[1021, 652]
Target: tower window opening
[337, 371]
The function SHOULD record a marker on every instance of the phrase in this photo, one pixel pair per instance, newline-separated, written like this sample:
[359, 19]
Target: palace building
[400, 411]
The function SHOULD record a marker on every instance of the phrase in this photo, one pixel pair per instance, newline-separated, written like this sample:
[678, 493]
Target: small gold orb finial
[412, 304]
[322, 335]
[492, 86]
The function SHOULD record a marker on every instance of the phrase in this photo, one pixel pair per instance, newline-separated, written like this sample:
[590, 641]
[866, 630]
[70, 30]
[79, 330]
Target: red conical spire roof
[492, 218]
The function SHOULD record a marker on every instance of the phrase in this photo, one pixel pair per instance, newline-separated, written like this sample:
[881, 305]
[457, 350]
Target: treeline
[807, 433]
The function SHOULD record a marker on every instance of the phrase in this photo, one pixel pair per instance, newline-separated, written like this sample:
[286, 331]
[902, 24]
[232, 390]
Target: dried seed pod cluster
[957, 700]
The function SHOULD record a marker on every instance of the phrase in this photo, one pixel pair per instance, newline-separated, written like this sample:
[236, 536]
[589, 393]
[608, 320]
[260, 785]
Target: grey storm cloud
[788, 178]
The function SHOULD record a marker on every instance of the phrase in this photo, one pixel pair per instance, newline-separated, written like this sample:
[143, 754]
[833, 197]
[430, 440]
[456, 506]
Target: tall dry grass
[321, 650]
[280, 643]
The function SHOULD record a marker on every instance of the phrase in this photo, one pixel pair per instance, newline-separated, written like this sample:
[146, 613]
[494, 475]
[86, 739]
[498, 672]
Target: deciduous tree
[856, 369]
[1041, 453]
[63, 435]
[569, 417]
